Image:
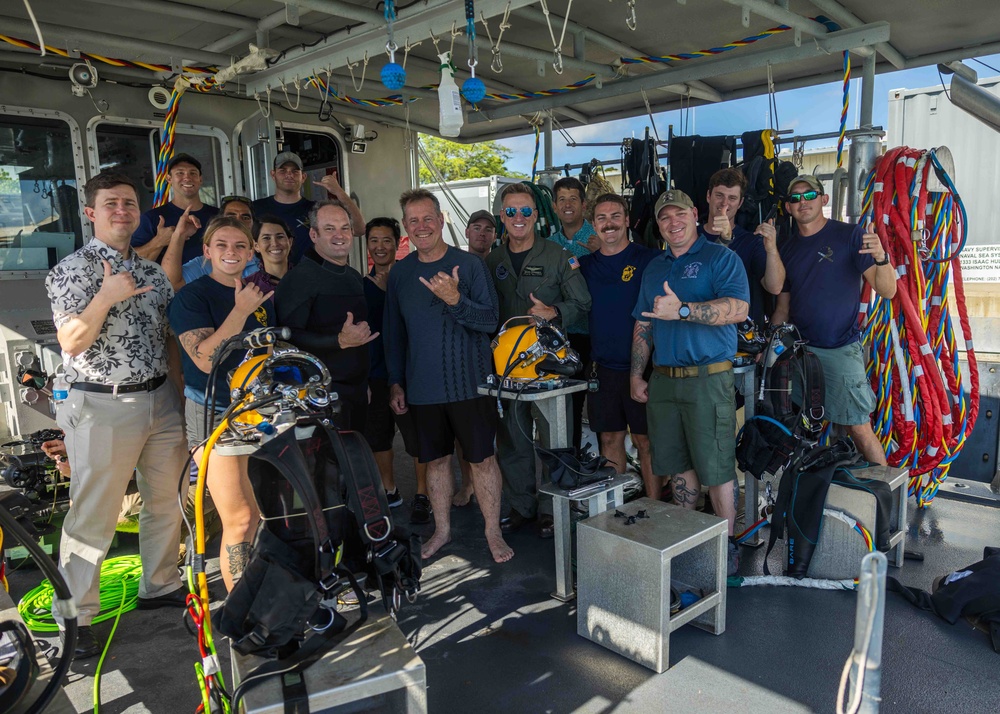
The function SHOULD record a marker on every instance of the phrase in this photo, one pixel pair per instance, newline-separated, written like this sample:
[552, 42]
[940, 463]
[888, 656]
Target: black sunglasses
[807, 196]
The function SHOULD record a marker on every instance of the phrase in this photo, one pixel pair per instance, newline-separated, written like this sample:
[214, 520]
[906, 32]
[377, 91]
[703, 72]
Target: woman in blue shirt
[204, 314]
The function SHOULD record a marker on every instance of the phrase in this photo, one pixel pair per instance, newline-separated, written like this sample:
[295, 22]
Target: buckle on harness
[388, 529]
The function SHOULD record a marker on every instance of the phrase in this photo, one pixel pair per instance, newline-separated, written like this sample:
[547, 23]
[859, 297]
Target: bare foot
[499, 549]
[462, 498]
[437, 541]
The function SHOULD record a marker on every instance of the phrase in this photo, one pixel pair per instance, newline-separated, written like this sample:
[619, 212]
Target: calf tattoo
[239, 554]
[684, 495]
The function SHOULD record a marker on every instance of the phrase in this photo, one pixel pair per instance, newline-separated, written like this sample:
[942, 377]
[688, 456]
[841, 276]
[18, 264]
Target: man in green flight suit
[538, 278]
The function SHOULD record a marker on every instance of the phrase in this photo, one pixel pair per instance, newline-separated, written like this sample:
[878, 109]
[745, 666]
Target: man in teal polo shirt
[691, 299]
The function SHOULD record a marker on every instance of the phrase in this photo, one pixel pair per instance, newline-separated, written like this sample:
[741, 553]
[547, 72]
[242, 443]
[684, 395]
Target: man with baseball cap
[691, 299]
[293, 208]
[156, 226]
[825, 263]
[480, 232]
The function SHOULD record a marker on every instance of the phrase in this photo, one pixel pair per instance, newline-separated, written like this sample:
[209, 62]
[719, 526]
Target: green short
[849, 397]
[692, 425]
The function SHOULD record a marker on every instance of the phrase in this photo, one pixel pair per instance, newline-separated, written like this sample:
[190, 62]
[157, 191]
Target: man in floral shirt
[122, 413]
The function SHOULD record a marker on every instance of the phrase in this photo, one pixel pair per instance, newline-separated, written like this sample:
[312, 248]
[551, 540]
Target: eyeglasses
[807, 196]
[526, 211]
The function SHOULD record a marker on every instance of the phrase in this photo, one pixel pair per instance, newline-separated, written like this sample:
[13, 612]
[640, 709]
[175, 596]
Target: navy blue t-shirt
[375, 297]
[614, 282]
[207, 303]
[296, 215]
[440, 353]
[823, 274]
[750, 248]
[706, 272]
[171, 215]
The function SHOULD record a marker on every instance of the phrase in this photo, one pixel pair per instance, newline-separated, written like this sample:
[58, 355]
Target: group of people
[408, 345]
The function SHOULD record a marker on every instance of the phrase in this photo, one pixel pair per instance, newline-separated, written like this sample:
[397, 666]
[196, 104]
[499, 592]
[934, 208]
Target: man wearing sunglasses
[533, 277]
[825, 262]
[691, 299]
[757, 250]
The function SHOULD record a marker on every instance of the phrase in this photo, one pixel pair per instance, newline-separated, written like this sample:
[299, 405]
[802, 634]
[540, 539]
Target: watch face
[684, 312]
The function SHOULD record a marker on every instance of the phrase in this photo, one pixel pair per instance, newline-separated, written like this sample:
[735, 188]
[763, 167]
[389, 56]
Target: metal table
[555, 407]
[374, 669]
[554, 404]
[744, 377]
[599, 497]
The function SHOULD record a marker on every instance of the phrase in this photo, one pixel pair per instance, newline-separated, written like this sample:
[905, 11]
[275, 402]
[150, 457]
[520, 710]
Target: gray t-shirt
[436, 352]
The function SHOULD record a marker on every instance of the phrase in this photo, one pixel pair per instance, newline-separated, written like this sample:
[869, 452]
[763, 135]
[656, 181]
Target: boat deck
[494, 641]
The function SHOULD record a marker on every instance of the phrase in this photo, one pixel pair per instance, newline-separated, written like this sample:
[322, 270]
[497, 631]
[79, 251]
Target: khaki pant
[106, 439]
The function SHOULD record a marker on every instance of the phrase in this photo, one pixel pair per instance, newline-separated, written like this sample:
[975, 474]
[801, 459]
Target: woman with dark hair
[204, 314]
[273, 245]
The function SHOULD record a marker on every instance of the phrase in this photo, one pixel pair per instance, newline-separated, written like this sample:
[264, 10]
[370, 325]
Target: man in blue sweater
[441, 310]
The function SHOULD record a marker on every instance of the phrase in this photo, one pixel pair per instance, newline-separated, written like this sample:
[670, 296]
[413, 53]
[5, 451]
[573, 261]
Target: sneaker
[733, 566]
[421, 511]
[393, 497]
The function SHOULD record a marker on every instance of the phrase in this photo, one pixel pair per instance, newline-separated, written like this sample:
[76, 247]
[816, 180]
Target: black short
[472, 422]
[353, 404]
[611, 408]
[380, 426]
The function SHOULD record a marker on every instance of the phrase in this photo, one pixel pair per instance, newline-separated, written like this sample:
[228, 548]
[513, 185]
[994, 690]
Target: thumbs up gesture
[871, 244]
[117, 287]
[540, 309]
[355, 334]
[666, 306]
[445, 286]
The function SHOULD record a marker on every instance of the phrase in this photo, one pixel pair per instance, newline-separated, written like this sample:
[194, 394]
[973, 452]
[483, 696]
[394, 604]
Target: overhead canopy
[723, 49]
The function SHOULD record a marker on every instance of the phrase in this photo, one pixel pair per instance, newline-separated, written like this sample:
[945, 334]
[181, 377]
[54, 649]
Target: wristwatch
[884, 261]
[685, 311]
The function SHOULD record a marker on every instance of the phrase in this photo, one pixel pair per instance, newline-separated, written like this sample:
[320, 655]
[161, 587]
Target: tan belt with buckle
[697, 371]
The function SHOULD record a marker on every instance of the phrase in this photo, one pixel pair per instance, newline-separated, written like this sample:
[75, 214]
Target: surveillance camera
[83, 74]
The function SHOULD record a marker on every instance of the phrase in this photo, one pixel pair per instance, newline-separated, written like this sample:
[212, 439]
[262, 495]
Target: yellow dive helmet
[300, 377]
[532, 349]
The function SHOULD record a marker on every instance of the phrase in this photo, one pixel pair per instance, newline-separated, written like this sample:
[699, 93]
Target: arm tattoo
[192, 339]
[724, 311]
[239, 555]
[684, 495]
[642, 340]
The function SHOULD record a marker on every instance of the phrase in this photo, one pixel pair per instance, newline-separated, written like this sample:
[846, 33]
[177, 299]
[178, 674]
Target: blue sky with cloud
[811, 110]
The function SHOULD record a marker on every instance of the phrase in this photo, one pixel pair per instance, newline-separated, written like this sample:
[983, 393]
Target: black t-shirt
[517, 259]
[314, 298]
[375, 297]
[207, 303]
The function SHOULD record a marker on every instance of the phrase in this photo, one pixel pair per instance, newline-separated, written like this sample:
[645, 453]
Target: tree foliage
[465, 161]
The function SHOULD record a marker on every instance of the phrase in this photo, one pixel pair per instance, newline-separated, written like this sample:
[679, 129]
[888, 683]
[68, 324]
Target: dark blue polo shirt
[706, 272]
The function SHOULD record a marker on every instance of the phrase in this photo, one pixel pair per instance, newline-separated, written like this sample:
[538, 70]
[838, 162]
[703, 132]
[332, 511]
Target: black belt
[148, 386]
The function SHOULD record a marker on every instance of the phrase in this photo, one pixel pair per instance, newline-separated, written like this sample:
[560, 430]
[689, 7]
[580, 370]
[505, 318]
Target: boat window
[320, 154]
[40, 220]
[133, 149]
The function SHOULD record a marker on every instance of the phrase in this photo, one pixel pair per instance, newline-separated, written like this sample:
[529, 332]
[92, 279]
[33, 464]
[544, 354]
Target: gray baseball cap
[287, 157]
[481, 216]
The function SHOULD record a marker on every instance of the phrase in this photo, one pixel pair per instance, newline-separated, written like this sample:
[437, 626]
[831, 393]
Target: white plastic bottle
[449, 99]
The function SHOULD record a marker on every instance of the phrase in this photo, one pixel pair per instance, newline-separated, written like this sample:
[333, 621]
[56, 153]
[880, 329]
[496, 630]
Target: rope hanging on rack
[161, 192]
[925, 414]
[846, 104]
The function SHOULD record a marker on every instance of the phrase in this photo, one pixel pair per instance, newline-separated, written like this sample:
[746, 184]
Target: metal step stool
[624, 575]
[373, 670]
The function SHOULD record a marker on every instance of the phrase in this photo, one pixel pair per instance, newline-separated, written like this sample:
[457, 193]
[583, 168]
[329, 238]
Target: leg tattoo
[684, 495]
[239, 554]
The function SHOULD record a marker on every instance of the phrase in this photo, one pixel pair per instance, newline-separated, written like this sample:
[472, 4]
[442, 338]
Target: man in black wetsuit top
[323, 300]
